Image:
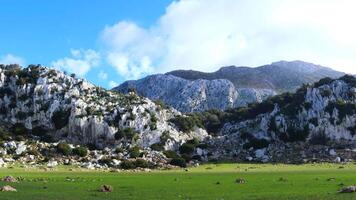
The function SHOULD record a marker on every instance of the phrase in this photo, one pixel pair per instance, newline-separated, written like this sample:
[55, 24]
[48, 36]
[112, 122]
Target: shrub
[127, 133]
[170, 154]
[19, 129]
[60, 118]
[157, 147]
[134, 152]
[187, 123]
[178, 162]
[323, 81]
[295, 135]
[319, 139]
[256, 143]
[64, 148]
[127, 164]
[186, 148]
[81, 151]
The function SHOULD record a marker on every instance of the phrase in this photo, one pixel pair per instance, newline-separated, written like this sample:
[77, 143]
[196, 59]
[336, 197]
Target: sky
[110, 41]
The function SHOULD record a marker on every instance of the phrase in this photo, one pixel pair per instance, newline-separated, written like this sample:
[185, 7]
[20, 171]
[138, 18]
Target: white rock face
[21, 147]
[318, 114]
[52, 164]
[198, 95]
[42, 101]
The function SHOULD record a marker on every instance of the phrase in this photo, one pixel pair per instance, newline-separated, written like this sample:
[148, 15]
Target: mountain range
[229, 87]
[43, 104]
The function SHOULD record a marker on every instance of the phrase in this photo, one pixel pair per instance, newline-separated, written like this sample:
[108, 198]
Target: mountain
[40, 105]
[316, 122]
[190, 91]
[47, 104]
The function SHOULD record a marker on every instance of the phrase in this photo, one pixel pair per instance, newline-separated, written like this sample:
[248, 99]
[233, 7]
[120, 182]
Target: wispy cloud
[102, 75]
[80, 62]
[12, 59]
[113, 84]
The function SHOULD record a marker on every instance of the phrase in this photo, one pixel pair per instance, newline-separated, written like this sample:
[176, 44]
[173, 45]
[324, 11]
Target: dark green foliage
[157, 147]
[138, 163]
[170, 154]
[21, 115]
[349, 79]
[344, 108]
[294, 134]
[187, 123]
[161, 104]
[187, 148]
[19, 129]
[352, 130]
[4, 134]
[319, 139]
[64, 148]
[323, 81]
[180, 162]
[127, 134]
[314, 121]
[60, 118]
[80, 151]
[253, 142]
[134, 152]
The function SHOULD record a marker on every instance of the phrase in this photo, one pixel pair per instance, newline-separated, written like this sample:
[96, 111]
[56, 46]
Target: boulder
[106, 188]
[7, 188]
[348, 189]
[52, 164]
[21, 147]
[10, 179]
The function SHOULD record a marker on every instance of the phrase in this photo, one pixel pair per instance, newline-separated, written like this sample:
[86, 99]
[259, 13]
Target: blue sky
[42, 31]
[110, 41]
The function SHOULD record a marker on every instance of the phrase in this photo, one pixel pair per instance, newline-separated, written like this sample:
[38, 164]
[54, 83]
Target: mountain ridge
[237, 86]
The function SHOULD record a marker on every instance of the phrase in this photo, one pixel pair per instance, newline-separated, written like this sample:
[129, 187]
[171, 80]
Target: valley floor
[212, 181]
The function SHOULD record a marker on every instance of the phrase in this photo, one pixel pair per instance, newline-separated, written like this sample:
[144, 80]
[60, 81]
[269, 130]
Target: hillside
[229, 87]
[44, 104]
[291, 127]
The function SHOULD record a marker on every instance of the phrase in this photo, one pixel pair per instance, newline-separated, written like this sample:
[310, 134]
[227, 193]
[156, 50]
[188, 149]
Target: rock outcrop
[50, 105]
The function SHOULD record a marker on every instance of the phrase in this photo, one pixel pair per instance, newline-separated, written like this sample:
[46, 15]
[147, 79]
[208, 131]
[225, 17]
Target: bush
[134, 152]
[64, 148]
[60, 118]
[187, 123]
[178, 162]
[80, 151]
[170, 154]
[127, 134]
[319, 139]
[127, 164]
[157, 147]
[186, 148]
[19, 129]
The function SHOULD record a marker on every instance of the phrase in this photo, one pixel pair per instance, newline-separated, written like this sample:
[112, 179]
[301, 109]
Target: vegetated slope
[229, 87]
[307, 124]
[50, 105]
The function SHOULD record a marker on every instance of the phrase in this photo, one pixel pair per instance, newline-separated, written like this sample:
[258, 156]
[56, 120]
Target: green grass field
[263, 181]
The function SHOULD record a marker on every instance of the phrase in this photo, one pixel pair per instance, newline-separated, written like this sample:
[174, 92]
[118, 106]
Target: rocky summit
[229, 87]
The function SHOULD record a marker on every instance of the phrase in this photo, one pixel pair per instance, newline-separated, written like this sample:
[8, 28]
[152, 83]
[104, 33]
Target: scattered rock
[106, 188]
[10, 179]
[21, 147]
[52, 164]
[240, 181]
[348, 189]
[7, 188]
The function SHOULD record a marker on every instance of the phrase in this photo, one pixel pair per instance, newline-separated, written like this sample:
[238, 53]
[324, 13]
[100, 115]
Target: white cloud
[12, 59]
[80, 62]
[113, 84]
[207, 34]
[102, 75]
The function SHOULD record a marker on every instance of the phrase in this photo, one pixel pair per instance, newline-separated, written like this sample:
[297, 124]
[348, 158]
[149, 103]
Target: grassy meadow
[210, 181]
